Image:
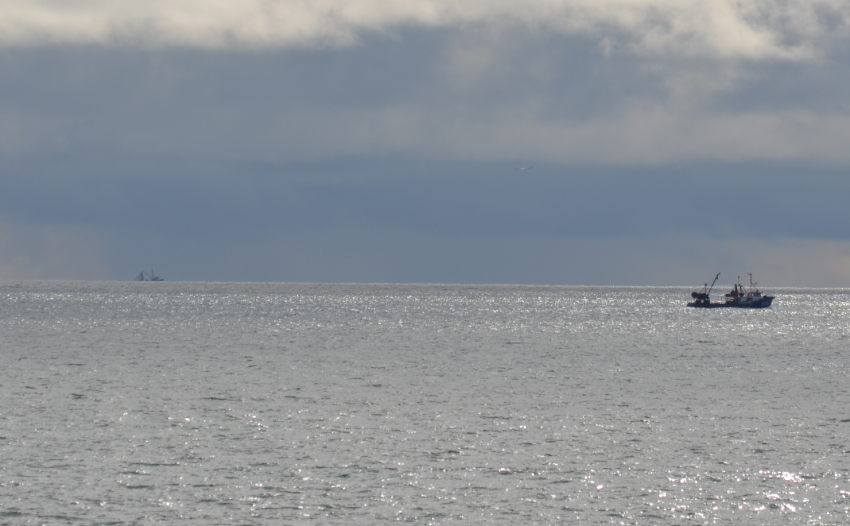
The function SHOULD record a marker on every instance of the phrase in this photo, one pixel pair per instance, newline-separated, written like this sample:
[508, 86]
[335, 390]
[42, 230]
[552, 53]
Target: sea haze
[361, 404]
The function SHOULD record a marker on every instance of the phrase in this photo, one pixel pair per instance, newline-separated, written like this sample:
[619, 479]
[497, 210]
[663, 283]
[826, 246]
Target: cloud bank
[724, 29]
[249, 140]
[611, 81]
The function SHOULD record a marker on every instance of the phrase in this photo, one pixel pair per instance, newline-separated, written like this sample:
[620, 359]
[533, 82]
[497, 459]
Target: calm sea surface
[362, 404]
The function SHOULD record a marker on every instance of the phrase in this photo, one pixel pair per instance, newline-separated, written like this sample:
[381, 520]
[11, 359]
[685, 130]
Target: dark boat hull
[763, 303]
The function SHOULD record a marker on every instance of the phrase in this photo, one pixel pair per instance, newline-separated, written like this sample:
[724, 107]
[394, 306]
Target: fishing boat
[739, 297]
[144, 276]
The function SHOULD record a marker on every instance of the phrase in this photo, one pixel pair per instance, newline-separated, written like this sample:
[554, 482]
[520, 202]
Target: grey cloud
[198, 199]
[549, 98]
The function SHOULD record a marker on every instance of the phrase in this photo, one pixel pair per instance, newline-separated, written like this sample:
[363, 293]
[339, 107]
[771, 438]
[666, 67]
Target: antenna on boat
[713, 282]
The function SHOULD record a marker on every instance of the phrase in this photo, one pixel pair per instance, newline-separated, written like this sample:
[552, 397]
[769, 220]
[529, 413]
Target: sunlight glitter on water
[264, 403]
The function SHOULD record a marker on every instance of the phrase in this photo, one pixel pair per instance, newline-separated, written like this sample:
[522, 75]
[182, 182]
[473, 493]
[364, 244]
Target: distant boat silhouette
[144, 276]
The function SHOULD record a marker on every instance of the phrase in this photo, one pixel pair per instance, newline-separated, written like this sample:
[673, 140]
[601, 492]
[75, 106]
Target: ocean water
[137, 403]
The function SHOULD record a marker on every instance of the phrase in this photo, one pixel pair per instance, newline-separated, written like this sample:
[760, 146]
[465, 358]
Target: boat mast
[713, 282]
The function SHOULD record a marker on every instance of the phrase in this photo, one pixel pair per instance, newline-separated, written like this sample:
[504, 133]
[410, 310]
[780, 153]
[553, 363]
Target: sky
[565, 142]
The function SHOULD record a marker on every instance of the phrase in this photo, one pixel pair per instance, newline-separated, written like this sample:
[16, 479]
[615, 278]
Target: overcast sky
[611, 142]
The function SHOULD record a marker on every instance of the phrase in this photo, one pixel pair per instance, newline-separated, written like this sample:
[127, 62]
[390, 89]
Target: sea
[269, 403]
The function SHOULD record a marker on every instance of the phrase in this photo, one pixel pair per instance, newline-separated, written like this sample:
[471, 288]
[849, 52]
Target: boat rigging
[144, 276]
[739, 297]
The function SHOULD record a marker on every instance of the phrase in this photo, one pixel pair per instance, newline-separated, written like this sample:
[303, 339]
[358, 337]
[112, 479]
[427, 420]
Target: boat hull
[762, 303]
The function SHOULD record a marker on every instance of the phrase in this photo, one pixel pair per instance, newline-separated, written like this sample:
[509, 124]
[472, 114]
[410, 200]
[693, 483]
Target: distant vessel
[738, 297]
[144, 276]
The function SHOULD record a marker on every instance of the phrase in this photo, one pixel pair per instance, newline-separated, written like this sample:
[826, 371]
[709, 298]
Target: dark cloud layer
[764, 200]
[194, 217]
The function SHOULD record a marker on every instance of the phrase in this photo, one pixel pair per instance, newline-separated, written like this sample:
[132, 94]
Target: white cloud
[757, 29]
